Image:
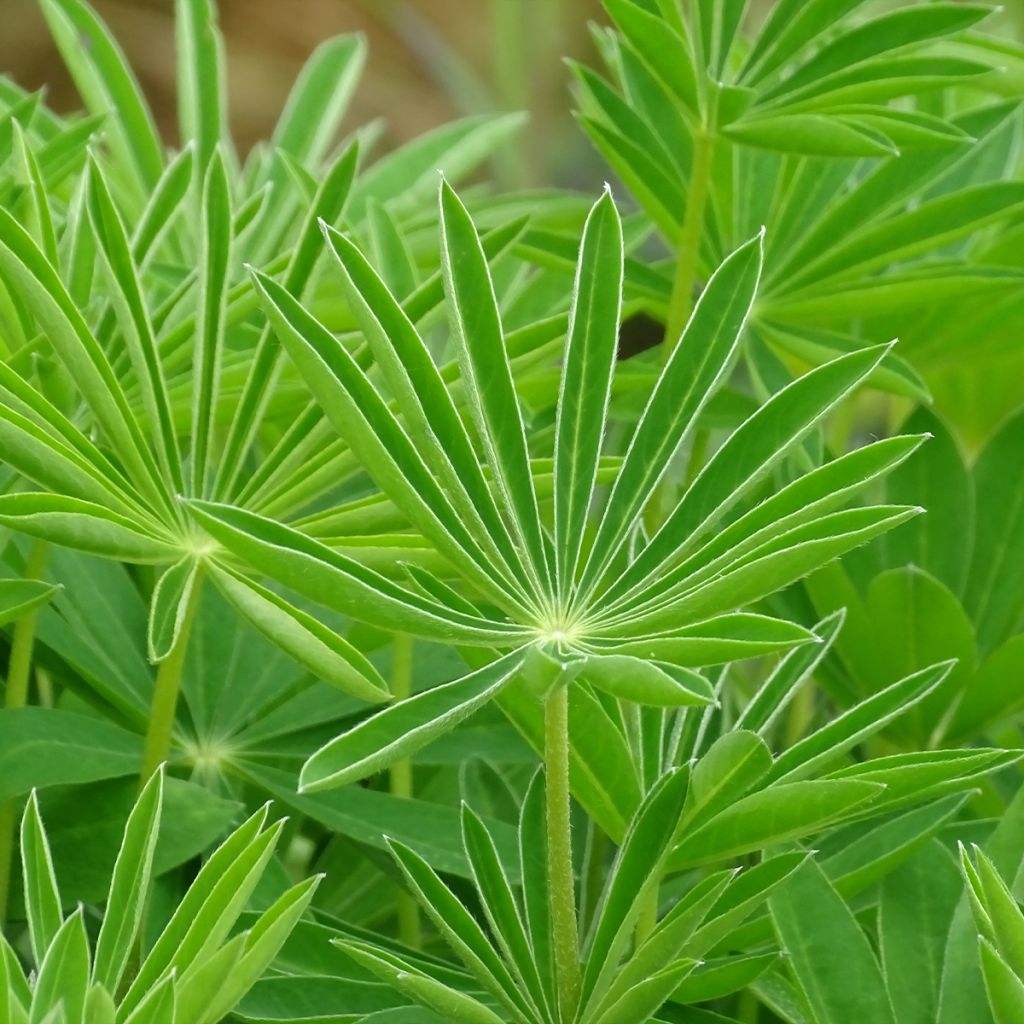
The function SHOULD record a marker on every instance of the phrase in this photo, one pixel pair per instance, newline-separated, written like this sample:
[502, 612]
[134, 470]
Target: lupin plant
[193, 969]
[613, 506]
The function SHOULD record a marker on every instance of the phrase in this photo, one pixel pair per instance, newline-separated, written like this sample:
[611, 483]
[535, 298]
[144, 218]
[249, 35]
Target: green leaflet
[106, 83]
[586, 381]
[929, 884]
[400, 730]
[487, 374]
[18, 597]
[790, 674]
[169, 607]
[646, 996]
[129, 300]
[62, 986]
[820, 491]
[316, 572]
[887, 32]
[636, 870]
[831, 955]
[773, 815]
[655, 40]
[647, 682]
[73, 748]
[940, 481]
[867, 718]
[214, 270]
[990, 596]
[83, 525]
[775, 564]
[427, 405]
[748, 453]
[374, 433]
[695, 369]
[911, 777]
[42, 899]
[451, 1004]
[129, 887]
[721, 639]
[503, 913]
[459, 928]
[200, 77]
[22, 262]
[733, 765]
[321, 650]
[318, 99]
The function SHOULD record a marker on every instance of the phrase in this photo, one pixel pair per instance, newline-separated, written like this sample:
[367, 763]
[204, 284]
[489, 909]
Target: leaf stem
[19, 673]
[688, 250]
[162, 711]
[400, 780]
[561, 879]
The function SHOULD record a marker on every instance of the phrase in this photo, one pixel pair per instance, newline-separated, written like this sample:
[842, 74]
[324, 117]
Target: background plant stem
[509, 54]
[688, 250]
[165, 693]
[400, 780]
[561, 879]
[19, 672]
[681, 305]
[648, 918]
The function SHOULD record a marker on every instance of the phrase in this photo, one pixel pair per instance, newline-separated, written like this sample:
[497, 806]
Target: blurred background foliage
[431, 61]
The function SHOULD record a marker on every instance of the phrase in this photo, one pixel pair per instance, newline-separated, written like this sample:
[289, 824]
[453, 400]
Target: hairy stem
[401, 785]
[165, 692]
[561, 880]
[19, 672]
[688, 255]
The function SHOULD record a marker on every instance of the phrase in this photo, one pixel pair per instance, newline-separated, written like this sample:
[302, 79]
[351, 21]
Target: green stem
[162, 711]
[561, 879]
[510, 60]
[8, 820]
[688, 255]
[748, 1008]
[19, 673]
[799, 716]
[400, 781]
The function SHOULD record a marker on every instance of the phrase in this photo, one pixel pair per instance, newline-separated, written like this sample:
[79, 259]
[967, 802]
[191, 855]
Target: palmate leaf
[621, 984]
[695, 370]
[427, 406]
[490, 389]
[645, 848]
[195, 964]
[201, 86]
[169, 234]
[808, 109]
[400, 730]
[677, 70]
[474, 496]
[831, 956]
[106, 83]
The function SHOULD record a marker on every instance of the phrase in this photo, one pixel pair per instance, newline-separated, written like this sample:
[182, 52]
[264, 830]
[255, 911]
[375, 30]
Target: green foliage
[193, 969]
[557, 564]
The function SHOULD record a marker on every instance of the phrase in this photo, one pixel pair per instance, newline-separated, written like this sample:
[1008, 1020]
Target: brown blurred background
[430, 60]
